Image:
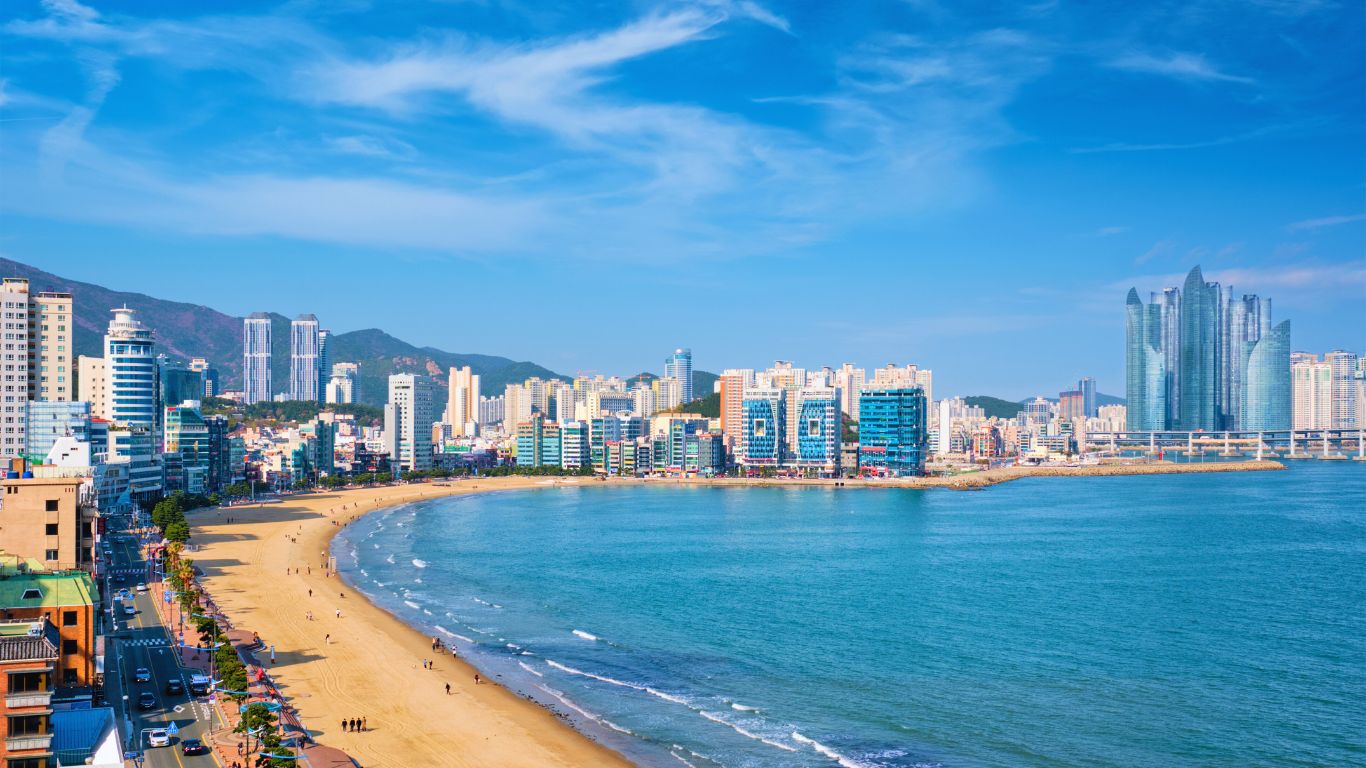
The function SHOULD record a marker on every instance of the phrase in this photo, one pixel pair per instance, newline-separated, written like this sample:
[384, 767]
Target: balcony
[20, 743]
[30, 699]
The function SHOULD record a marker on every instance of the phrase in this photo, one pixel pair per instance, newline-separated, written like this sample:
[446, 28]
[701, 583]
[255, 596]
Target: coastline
[372, 665]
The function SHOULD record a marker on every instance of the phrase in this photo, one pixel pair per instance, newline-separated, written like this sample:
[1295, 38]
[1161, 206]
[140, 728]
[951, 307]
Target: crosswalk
[147, 642]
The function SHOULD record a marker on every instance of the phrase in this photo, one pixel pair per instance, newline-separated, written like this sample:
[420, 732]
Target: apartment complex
[36, 362]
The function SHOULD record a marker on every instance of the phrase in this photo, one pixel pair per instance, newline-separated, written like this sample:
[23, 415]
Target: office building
[36, 364]
[343, 387]
[893, 437]
[764, 442]
[462, 401]
[49, 421]
[819, 424]
[1087, 386]
[131, 403]
[186, 439]
[678, 366]
[305, 359]
[1265, 404]
[408, 422]
[178, 383]
[574, 450]
[1071, 404]
[1188, 360]
[210, 374]
[256, 358]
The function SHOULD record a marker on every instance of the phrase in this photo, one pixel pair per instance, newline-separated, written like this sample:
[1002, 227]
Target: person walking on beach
[327, 639]
[476, 678]
[448, 689]
[339, 613]
[344, 725]
[363, 726]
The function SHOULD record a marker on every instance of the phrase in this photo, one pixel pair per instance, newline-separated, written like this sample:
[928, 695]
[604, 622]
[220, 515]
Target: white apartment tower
[408, 422]
[343, 387]
[256, 358]
[462, 401]
[305, 358]
[130, 402]
[37, 364]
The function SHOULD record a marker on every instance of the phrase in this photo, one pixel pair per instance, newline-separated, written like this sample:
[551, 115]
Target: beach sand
[373, 666]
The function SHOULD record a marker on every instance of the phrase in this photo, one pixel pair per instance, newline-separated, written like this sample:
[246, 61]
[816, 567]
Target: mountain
[190, 330]
[1101, 399]
[994, 406]
[702, 381]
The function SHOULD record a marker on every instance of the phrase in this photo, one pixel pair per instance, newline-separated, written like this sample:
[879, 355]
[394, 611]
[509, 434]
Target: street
[141, 641]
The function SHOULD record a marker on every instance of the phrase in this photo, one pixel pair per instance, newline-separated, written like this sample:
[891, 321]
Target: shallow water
[1133, 621]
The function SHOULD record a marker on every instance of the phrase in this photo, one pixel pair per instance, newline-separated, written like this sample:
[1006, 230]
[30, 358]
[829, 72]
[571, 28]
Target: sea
[1177, 620]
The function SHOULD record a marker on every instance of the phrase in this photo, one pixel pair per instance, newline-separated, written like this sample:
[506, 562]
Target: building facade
[256, 358]
[679, 366]
[408, 422]
[305, 359]
[36, 363]
[462, 401]
[131, 398]
[893, 437]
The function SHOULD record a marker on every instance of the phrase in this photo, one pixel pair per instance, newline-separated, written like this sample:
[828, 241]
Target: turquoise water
[1200, 620]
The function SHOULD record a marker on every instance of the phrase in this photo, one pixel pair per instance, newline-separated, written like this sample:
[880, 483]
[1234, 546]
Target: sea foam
[585, 635]
[828, 752]
[747, 734]
[529, 668]
[419, 563]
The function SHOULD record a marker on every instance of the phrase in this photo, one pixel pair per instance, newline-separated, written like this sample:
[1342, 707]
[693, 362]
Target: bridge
[1337, 444]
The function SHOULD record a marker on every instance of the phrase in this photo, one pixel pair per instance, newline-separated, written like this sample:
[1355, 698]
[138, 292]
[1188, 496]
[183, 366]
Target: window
[33, 593]
[51, 554]
[69, 646]
[51, 505]
[69, 618]
[69, 676]
[51, 529]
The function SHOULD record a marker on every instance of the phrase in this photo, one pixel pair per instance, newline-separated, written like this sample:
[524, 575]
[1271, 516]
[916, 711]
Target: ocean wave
[419, 563]
[379, 583]
[668, 697]
[581, 673]
[376, 546]
[482, 602]
[417, 581]
[449, 633]
[514, 647]
[424, 610]
[828, 752]
[364, 572]
[715, 718]
[529, 668]
[682, 759]
[595, 718]
[390, 559]
[738, 707]
[411, 604]
[585, 635]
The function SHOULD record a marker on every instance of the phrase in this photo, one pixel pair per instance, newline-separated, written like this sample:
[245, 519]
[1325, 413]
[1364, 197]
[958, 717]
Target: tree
[178, 530]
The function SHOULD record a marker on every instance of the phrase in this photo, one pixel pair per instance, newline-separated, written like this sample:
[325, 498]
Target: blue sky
[969, 187]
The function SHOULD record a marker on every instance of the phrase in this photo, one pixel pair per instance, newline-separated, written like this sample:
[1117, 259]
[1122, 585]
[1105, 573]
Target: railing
[17, 743]
[35, 699]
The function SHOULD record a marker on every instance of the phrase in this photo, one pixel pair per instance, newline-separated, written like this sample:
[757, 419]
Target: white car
[158, 737]
[129, 609]
[141, 587]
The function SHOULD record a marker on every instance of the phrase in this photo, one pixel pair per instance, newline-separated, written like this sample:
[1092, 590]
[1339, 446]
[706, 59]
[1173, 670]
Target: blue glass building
[893, 438]
[765, 427]
[818, 430]
[1267, 403]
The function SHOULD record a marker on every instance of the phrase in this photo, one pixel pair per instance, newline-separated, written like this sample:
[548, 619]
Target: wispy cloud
[1191, 67]
[372, 146]
[1312, 225]
[1159, 249]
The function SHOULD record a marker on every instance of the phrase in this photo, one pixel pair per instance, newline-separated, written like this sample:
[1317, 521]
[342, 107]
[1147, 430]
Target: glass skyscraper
[679, 366]
[892, 432]
[1189, 360]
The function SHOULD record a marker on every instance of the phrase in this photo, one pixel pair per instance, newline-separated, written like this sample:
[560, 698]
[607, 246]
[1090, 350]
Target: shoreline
[487, 724]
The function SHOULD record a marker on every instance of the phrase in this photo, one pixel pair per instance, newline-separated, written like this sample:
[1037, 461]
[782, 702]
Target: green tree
[178, 530]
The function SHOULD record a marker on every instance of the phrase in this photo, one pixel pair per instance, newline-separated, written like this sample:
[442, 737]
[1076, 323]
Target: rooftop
[28, 640]
[46, 590]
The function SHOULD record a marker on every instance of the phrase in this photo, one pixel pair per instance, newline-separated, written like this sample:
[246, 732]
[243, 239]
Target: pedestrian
[476, 678]
[363, 726]
[310, 593]
[343, 725]
[339, 613]
[327, 639]
[448, 689]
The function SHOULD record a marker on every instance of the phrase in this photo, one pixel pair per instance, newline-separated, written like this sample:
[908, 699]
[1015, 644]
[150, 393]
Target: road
[142, 641]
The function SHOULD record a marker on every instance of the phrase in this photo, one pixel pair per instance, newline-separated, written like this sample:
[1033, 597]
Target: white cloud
[372, 146]
[1312, 225]
[1178, 65]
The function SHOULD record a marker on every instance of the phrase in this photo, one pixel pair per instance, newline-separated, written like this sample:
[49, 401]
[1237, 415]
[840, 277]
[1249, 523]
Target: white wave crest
[390, 559]
[411, 604]
[585, 635]
[595, 718]
[417, 562]
[738, 707]
[747, 734]
[449, 633]
[529, 668]
[668, 697]
[581, 673]
[828, 752]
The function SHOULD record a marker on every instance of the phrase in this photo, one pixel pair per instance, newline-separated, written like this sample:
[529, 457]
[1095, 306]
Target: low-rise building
[28, 651]
[66, 599]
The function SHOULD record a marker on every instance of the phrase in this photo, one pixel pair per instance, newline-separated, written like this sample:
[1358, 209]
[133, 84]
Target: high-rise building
[1188, 361]
[679, 366]
[849, 380]
[131, 400]
[669, 393]
[1087, 386]
[91, 385]
[256, 357]
[1266, 404]
[178, 383]
[186, 437]
[210, 374]
[39, 336]
[1071, 405]
[732, 385]
[305, 358]
[343, 387]
[1342, 366]
[462, 401]
[893, 437]
[765, 427]
[408, 421]
[819, 423]
[324, 361]
[574, 452]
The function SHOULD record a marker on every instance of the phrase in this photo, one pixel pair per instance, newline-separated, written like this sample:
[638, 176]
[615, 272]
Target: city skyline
[960, 162]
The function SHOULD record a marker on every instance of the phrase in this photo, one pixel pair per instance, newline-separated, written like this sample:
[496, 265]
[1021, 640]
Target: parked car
[142, 675]
[193, 747]
[158, 738]
[174, 687]
[146, 700]
[141, 587]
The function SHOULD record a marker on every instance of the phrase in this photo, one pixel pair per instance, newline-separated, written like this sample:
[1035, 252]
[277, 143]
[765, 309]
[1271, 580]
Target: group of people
[354, 725]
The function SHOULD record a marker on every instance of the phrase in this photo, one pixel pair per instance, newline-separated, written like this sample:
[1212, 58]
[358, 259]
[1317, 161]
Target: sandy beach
[372, 665]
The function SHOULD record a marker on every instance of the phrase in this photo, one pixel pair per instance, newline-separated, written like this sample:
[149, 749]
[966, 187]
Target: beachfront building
[765, 427]
[39, 332]
[305, 359]
[987, 442]
[1266, 403]
[731, 385]
[186, 445]
[538, 442]
[256, 358]
[408, 422]
[819, 423]
[892, 432]
[462, 401]
[605, 429]
[130, 398]
[574, 452]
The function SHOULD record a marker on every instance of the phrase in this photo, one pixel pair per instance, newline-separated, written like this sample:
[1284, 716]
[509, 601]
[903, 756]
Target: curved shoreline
[491, 724]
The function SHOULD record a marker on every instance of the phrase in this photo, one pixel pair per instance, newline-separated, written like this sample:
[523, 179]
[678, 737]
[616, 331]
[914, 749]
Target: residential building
[538, 442]
[66, 598]
[50, 520]
[305, 359]
[732, 384]
[36, 364]
[893, 437]
[50, 420]
[987, 442]
[1087, 386]
[210, 374]
[1071, 404]
[669, 393]
[29, 651]
[343, 387]
[678, 366]
[256, 358]
[850, 382]
[1342, 408]
[574, 449]
[462, 401]
[90, 385]
[1265, 403]
[408, 422]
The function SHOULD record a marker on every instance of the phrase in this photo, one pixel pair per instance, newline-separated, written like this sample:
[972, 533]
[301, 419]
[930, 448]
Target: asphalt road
[142, 641]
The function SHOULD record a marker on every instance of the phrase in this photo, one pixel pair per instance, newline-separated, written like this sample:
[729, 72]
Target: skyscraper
[733, 382]
[343, 386]
[462, 401]
[1311, 383]
[256, 358]
[324, 362]
[1087, 386]
[130, 399]
[408, 421]
[305, 357]
[893, 436]
[679, 366]
[1189, 360]
[37, 361]
[1342, 366]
